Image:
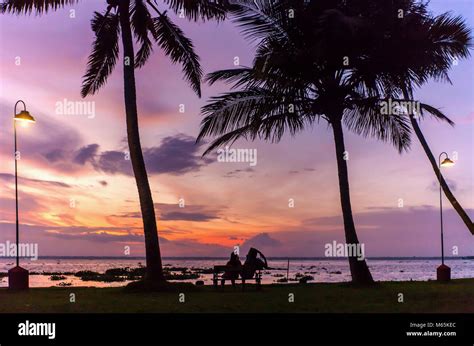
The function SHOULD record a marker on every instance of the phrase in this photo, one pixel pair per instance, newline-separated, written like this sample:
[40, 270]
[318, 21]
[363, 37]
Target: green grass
[421, 297]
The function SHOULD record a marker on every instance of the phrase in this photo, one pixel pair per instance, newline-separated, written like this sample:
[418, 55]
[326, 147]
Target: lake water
[322, 270]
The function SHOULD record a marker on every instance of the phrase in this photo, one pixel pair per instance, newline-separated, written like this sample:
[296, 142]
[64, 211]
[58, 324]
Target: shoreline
[115, 273]
[185, 258]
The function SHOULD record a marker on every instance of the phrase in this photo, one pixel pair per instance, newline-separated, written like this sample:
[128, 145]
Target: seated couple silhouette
[254, 261]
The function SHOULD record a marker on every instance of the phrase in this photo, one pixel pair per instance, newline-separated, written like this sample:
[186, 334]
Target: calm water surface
[322, 270]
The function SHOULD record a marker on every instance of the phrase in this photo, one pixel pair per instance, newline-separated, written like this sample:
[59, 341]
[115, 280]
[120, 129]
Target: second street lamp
[18, 276]
[443, 272]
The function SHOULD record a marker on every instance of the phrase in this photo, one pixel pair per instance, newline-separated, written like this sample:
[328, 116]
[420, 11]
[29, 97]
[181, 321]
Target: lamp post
[443, 272]
[18, 276]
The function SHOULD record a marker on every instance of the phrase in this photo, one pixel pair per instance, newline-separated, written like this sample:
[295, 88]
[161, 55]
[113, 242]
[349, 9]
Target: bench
[219, 271]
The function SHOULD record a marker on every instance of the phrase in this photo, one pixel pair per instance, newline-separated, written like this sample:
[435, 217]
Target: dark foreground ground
[419, 297]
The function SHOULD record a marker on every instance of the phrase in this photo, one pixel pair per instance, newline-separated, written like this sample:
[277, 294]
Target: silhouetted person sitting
[255, 261]
[234, 266]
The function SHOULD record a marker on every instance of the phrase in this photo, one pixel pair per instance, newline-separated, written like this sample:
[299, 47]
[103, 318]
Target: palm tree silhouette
[132, 20]
[412, 47]
[323, 60]
[420, 47]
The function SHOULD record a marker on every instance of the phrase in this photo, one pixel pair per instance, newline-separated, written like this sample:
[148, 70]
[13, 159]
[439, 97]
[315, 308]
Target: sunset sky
[77, 157]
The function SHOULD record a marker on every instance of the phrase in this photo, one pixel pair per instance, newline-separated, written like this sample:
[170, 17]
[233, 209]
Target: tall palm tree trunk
[154, 268]
[447, 191]
[359, 270]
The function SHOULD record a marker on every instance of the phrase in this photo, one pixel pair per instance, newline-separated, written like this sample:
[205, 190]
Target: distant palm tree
[316, 60]
[132, 20]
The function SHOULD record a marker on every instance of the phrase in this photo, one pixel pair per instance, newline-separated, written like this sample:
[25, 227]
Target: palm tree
[294, 83]
[132, 20]
[428, 46]
[413, 47]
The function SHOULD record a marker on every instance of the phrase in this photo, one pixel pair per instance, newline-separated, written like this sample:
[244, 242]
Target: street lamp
[443, 272]
[18, 276]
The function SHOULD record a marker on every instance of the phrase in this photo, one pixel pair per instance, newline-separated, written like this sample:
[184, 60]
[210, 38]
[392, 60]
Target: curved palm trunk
[449, 195]
[359, 270]
[154, 269]
[447, 191]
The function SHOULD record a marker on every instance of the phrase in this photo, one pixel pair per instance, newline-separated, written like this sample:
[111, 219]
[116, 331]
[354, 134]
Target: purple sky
[73, 157]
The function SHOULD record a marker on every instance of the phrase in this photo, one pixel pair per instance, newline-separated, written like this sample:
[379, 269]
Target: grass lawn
[456, 296]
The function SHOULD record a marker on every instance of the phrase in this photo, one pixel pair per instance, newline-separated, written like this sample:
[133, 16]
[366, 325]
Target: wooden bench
[219, 271]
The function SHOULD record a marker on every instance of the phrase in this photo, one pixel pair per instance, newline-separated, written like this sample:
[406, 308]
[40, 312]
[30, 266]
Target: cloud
[261, 241]
[98, 236]
[65, 152]
[186, 216]
[27, 203]
[134, 215]
[176, 155]
[376, 216]
[172, 212]
[235, 238]
[55, 155]
[407, 231]
[106, 241]
[434, 186]
[86, 154]
[196, 213]
[237, 173]
[48, 143]
[113, 162]
[192, 248]
[11, 178]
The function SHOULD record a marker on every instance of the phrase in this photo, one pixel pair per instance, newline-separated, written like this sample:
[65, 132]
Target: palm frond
[255, 112]
[435, 113]
[271, 128]
[364, 118]
[141, 23]
[180, 49]
[406, 53]
[244, 77]
[260, 18]
[200, 9]
[268, 75]
[448, 39]
[236, 75]
[451, 36]
[104, 54]
[431, 110]
[229, 138]
[33, 6]
[232, 110]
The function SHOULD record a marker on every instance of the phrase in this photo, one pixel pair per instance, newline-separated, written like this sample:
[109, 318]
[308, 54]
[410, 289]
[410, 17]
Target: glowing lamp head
[24, 117]
[447, 162]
